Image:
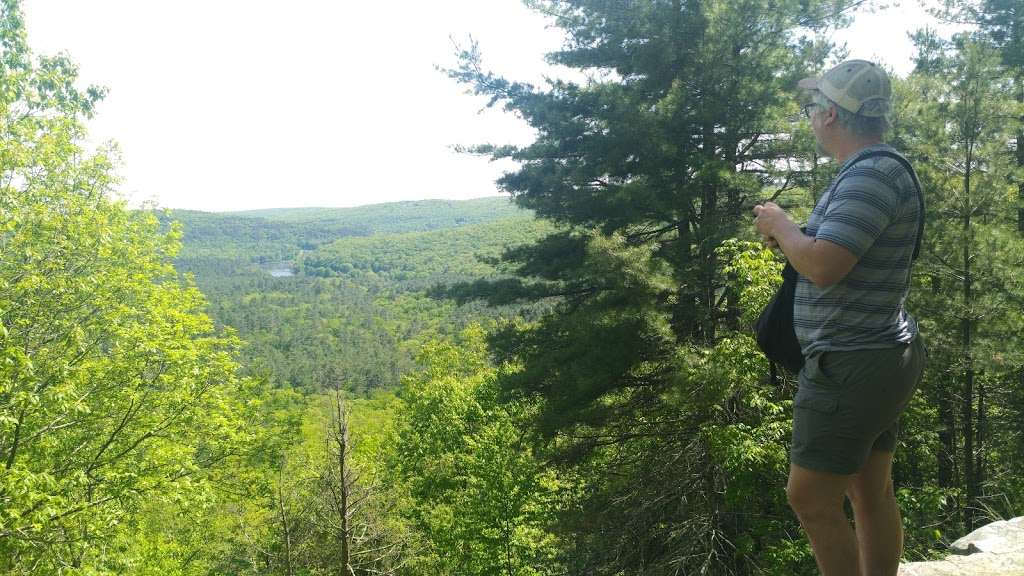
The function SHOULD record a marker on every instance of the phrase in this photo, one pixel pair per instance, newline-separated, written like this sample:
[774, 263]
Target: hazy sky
[243, 104]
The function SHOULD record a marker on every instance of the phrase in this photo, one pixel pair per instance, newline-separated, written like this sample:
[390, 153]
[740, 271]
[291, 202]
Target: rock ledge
[996, 549]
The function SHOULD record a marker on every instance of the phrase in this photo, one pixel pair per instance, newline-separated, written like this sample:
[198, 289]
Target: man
[864, 356]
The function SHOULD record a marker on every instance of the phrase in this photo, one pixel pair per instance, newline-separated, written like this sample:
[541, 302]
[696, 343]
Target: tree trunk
[946, 454]
[706, 240]
[285, 529]
[967, 399]
[947, 441]
[1020, 154]
[341, 439]
[979, 474]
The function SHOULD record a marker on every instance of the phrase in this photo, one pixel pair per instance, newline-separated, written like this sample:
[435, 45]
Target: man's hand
[769, 219]
[822, 262]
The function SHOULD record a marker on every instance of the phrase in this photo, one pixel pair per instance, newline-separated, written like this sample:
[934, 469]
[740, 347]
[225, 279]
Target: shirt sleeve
[861, 208]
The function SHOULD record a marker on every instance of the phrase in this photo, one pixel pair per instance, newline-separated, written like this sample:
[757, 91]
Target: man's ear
[831, 116]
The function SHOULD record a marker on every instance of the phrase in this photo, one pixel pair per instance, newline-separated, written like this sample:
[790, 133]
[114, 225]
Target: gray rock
[980, 564]
[998, 538]
[996, 549]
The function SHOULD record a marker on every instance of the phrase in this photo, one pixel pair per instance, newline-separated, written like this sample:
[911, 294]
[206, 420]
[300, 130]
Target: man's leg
[817, 498]
[877, 516]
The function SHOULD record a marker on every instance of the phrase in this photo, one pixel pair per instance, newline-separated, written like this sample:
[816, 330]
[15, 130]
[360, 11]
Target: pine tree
[648, 168]
[1002, 24]
[960, 124]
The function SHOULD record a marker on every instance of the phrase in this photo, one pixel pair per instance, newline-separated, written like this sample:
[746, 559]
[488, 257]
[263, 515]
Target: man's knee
[815, 495]
[812, 506]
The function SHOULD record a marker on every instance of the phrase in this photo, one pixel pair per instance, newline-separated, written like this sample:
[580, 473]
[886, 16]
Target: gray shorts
[849, 402]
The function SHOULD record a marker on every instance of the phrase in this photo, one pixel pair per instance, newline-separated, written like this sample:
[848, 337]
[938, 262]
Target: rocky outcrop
[996, 549]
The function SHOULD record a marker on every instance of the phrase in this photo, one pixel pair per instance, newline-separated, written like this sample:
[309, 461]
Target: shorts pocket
[816, 402]
[814, 422]
[826, 372]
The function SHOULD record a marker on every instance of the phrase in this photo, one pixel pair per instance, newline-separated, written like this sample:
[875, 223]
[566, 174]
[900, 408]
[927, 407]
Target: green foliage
[117, 396]
[590, 401]
[754, 272]
[959, 113]
[357, 310]
[418, 260]
[279, 235]
[650, 171]
[480, 497]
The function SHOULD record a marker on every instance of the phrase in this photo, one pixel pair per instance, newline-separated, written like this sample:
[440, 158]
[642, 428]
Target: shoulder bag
[774, 328]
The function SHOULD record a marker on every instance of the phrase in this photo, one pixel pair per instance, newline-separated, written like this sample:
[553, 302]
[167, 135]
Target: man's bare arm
[822, 262]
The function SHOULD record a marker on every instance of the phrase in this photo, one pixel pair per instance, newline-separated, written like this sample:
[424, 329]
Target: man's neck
[849, 148]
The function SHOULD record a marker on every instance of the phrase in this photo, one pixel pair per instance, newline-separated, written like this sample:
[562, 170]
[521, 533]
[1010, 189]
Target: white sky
[245, 104]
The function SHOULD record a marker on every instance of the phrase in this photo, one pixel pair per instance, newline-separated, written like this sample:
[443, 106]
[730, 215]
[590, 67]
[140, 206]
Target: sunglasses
[807, 109]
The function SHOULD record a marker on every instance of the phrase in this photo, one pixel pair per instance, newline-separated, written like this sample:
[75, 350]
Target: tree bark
[967, 399]
[947, 441]
[341, 439]
[1020, 153]
[979, 474]
[285, 529]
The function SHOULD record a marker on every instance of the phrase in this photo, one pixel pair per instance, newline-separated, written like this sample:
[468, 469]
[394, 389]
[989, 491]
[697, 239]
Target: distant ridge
[279, 234]
[319, 213]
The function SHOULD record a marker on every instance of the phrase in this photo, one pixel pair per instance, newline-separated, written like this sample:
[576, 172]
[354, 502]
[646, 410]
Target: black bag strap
[913, 176]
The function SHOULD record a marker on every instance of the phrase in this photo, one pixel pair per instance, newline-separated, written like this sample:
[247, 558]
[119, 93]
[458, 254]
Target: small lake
[279, 269]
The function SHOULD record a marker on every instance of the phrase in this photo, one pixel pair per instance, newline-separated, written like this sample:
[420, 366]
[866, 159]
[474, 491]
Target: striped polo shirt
[873, 213]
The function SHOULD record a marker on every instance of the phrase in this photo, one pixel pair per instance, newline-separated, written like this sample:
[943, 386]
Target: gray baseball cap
[858, 86]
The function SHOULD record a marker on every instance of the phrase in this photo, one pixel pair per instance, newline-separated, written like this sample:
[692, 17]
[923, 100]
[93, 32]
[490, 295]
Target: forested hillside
[561, 384]
[351, 312]
[271, 235]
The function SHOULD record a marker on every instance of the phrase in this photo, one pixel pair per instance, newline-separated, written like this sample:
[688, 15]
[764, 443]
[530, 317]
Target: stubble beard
[819, 150]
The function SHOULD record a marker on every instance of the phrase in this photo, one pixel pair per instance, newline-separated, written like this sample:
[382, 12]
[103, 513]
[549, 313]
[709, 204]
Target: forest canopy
[560, 381]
